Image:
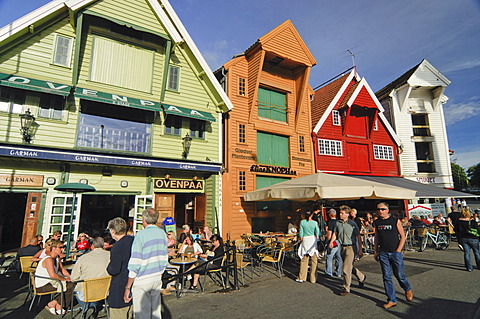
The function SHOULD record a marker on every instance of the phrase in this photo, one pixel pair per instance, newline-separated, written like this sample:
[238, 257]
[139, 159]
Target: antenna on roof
[352, 54]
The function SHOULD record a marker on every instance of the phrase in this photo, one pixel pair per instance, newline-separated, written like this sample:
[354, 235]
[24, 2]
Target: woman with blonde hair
[468, 236]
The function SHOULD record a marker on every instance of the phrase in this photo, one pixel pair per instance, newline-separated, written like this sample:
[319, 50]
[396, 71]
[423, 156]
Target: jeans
[334, 253]
[468, 243]
[393, 263]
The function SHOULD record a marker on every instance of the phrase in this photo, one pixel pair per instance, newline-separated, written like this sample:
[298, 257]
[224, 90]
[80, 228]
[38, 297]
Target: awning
[97, 96]
[183, 111]
[21, 82]
[423, 190]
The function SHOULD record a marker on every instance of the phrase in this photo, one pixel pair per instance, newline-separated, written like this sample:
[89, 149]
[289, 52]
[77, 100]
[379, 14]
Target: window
[420, 124]
[330, 147]
[272, 105]
[174, 78]
[383, 152]
[301, 143]
[242, 180]
[241, 86]
[62, 50]
[197, 128]
[173, 124]
[12, 100]
[424, 157]
[272, 149]
[113, 127]
[336, 117]
[121, 64]
[51, 106]
[241, 133]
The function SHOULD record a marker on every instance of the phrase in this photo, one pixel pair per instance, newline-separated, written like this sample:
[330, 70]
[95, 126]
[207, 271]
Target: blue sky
[390, 37]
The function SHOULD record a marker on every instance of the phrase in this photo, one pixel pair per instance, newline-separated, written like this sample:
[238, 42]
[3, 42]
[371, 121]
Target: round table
[183, 262]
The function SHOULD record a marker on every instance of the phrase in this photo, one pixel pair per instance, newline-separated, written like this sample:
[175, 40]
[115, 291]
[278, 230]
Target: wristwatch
[128, 288]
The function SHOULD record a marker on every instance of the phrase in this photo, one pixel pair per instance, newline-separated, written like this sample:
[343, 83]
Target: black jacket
[118, 269]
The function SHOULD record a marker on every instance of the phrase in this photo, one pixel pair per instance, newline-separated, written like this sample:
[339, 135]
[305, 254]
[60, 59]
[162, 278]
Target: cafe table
[183, 262]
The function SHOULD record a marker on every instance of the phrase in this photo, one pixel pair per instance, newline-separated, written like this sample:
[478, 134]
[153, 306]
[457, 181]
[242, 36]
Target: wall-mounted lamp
[167, 176]
[84, 181]
[107, 172]
[195, 178]
[187, 142]
[124, 184]
[28, 126]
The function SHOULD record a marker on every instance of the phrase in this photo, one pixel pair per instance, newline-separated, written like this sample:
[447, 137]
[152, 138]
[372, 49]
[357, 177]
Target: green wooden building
[122, 100]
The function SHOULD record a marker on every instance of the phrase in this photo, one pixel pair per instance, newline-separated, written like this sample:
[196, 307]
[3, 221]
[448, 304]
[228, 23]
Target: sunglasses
[61, 247]
[382, 208]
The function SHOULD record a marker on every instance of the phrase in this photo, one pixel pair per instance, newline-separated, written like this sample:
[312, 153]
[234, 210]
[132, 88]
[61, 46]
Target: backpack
[473, 230]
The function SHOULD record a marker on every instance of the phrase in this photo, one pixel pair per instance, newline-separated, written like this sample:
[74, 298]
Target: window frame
[51, 110]
[383, 152]
[336, 118]
[169, 83]
[197, 126]
[177, 130]
[301, 144]
[242, 133]
[242, 180]
[19, 100]
[69, 53]
[242, 86]
[330, 147]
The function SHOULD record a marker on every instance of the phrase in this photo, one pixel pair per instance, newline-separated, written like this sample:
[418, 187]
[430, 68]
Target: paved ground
[442, 288]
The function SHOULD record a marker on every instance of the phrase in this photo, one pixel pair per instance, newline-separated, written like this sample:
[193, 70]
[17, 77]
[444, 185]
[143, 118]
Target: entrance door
[165, 205]
[12, 212]
[31, 217]
[142, 202]
[200, 210]
[59, 211]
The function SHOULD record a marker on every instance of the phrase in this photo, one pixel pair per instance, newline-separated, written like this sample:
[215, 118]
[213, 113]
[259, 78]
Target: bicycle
[435, 236]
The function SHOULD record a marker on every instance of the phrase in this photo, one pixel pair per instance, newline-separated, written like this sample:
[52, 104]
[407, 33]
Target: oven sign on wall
[178, 184]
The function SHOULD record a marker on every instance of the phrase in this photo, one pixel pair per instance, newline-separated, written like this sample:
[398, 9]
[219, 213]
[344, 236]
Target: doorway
[12, 214]
[98, 210]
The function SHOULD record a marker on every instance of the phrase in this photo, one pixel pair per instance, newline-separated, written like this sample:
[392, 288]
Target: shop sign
[426, 209]
[178, 184]
[426, 180]
[272, 169]
[244, 154]
[21, 180]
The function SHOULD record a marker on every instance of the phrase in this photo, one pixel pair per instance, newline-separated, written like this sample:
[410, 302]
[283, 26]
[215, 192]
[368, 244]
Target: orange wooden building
[267, 134]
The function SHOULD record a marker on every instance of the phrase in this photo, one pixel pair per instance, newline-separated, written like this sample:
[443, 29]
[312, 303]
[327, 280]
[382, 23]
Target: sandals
[53, 311]
[192, 288]
[61, 312]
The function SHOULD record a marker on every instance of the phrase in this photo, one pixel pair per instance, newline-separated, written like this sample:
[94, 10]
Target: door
[165, 205]
[30, 223]
[358, 159]
[59, 212]
[142, 202]
[200, 210]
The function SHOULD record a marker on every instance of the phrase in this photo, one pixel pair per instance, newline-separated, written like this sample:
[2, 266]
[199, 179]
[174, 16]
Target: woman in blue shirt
[309, 233]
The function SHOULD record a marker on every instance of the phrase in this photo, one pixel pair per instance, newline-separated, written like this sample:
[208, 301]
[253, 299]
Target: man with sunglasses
[389, 241]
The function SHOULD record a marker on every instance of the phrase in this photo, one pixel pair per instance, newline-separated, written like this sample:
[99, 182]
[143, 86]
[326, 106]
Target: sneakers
[389, 305]
[298, 280]
[361, 284]
[409, 295]
[461, 247]
[343, 293]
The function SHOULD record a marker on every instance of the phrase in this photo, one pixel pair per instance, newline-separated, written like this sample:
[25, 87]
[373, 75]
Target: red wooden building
[350, 133]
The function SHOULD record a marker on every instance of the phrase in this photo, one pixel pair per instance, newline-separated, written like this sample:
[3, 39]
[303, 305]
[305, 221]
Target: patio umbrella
[328, 186]
[74, 188]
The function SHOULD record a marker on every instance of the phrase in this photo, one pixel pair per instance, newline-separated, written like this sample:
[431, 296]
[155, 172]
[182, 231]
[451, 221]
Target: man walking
[389, 241]
[348, 235]
[333, 252]
[147, 263]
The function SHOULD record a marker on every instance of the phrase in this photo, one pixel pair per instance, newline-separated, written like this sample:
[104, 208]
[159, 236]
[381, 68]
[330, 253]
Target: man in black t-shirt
[389, 241]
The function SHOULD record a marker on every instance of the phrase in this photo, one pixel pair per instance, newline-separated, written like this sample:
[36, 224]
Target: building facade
[414, 106]
[267, 135]
[350, 133]
[122, 100]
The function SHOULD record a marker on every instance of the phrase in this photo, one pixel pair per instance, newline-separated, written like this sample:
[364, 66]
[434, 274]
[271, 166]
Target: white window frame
[330, 147]
[49, 227]
[50, 110]
[142, 202]
[68, 54]
[10, 106]
[336, 120]
[171, 85]
[383, 152]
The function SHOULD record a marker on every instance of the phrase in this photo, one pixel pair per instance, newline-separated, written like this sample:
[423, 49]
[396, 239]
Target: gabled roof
[274, 41]
[347, 88]
[162, 8]
[404, 79]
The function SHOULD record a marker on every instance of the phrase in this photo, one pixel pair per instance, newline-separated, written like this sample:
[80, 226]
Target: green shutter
[273, 150]
[265, 181]
[272, 105]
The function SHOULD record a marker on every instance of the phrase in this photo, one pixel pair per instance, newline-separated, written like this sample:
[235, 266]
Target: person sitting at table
[30, 250]
[196, 236]
[217, 252]
[206, 234]
[89, 266]
[51, 267]
[190, 247]
[43, 253]
[186, 231]
[108, 242]
[82, 244]
[171, 242]
[39, 241]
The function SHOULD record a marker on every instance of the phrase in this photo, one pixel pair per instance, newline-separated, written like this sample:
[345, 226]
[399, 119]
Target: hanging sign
[178, 184]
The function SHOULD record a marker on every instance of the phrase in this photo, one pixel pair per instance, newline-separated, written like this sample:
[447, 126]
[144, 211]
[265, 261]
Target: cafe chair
[214, 274]
[241, 264]
[274, 257]
[36, 293]
[95, 289]
[26, 265]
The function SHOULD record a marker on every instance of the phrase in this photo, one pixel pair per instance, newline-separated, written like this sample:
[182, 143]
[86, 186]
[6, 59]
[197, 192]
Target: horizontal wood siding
[292, 51]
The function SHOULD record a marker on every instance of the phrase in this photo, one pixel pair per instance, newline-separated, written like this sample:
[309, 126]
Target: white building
[413, 105]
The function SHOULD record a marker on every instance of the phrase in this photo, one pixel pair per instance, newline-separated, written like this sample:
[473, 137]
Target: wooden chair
[36, 293]
[94, 290]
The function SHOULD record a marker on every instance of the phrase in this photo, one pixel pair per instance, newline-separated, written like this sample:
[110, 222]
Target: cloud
[460, 111]
[462, 66]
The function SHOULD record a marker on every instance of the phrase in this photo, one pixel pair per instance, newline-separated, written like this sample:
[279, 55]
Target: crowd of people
[135, 263]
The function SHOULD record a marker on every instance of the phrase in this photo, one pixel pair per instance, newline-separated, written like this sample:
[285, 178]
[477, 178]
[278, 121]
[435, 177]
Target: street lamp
[27, 123]
[187, 142]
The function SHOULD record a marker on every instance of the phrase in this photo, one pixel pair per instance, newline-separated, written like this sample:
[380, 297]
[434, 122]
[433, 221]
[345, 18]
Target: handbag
[473, 231]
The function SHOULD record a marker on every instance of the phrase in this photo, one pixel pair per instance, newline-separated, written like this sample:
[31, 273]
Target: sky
[387, 37]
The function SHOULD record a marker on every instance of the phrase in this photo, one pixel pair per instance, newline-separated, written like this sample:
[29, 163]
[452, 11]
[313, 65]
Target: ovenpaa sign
[116, 99]
[25, 83]
[178, 184]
